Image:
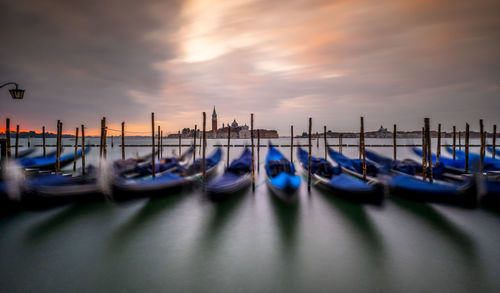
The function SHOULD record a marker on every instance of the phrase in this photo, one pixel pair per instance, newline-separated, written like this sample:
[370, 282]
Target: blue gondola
[281, 178]
[490, 164]
[409, 187]
[26, 152]
[236, 178]
[49, 163]
[333, 180]
[174, 178]
[497, 151]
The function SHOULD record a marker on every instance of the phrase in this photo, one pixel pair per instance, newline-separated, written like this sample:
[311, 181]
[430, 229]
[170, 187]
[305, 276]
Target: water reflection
[147, 213]
[61, 219]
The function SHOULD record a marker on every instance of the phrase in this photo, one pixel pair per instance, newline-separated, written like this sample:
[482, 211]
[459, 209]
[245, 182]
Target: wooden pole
[158, 143]
[317, 139]
[17, 141]
[362, 144]
[203, 167]
[104, 142]
[428, 151]
[253, 157]
[454, 141]
[258, 150]
[29, 140]
[123, 140]
[76, 150]
[424, 155]
[161, 144]
[199, 151]
[179, 133]
[394, 143]
[83, 149]
[466, 147]
[7, 136]
[459, 140]
[153, 144]
[112, 141]
[494, 140]
[101, 140]
[326, 143]
[43, 142]
[340, 142]
[228, 143]
[58, 145]
[482, 148]
[291, 143]
[194, 143]
[309, 158]
[438, 150]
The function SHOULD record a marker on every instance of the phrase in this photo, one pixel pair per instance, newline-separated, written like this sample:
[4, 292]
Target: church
[237, 131]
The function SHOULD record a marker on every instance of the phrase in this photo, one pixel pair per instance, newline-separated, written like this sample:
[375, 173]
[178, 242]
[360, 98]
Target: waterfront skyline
[392, 62]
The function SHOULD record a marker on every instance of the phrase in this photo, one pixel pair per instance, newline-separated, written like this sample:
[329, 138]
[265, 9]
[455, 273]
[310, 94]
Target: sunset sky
[285, 61]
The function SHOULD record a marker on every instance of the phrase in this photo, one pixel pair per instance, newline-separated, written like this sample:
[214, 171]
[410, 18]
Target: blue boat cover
[350, 183]
[406, 166]
[497, 151]
[417, 185]
[355, 165]
[233, 174]
[319, 166]
[459, 162]
[41, 161]
[280, 171]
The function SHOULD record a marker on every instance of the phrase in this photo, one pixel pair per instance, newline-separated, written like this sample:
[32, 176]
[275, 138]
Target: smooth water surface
[253, 242]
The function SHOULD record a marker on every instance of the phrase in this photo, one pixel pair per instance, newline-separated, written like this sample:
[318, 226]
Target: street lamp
[17, 93]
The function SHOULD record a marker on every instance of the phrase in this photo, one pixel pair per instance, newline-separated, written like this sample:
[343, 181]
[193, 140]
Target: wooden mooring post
[253, 157]
[180, 143]
[194, 143]
[43, 142]
[424, 155]
[153, 155]
[83, 149]
[340, 142]
[258, 150]
[105, 143]
[159, 142]
[76, 150]
[394, 143]
[7, 136]
[459, 140]
[101, 139]
[309, 157]
[326, 143]
[123, 140]
[291, 143]
[228, 144]
[362, 145]
[482, 149]
[454, 141]
[494, 141]
[428, 151]
[438, 149]
[204, 171]
[467, 147]
[58, 146]
[17, 142]
[199, 151]
[317, 139]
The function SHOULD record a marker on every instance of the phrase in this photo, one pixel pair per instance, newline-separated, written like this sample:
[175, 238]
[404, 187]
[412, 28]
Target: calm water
[252, 243]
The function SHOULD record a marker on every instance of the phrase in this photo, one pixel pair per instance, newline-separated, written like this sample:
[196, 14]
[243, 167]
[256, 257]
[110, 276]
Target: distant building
[237, 131]
[214, 120]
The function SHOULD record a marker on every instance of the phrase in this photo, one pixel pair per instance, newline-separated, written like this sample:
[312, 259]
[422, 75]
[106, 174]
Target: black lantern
[17, 93]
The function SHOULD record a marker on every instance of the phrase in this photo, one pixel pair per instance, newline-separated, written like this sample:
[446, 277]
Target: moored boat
[281, 178]
[336, 182]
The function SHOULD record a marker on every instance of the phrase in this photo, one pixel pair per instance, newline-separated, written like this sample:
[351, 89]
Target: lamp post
[17, 93]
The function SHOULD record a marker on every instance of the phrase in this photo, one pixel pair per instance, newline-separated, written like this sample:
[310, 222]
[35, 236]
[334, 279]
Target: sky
[284, 61]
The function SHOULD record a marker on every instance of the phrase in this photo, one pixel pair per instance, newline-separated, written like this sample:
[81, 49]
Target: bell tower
[214, 120]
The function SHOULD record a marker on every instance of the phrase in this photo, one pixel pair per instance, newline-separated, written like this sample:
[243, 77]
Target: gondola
[412, 188]
[490, 164]
[51, 189]
[333, 180]
[26, 152]
[236, 178]
[497, 151]
[172, 178]
[281, 178]
[49, 163]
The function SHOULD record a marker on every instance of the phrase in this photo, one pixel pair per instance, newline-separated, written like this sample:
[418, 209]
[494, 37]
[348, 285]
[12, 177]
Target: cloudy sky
[285, 61]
